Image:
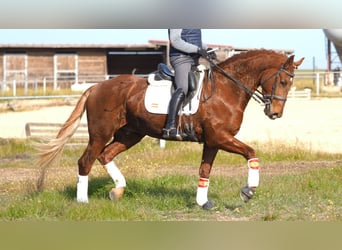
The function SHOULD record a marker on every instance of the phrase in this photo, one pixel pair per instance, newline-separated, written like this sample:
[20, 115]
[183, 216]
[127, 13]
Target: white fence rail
[319, 79]
[299, 94]
[41, 85]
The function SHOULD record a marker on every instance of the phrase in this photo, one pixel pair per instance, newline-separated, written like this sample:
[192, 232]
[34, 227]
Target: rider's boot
[171, 131]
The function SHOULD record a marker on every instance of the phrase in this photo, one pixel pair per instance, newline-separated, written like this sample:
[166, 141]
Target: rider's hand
[202, 52]
[211, 54]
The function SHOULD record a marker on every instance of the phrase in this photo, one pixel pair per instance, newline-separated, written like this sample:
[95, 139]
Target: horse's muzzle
[274, 112]
[272, 115]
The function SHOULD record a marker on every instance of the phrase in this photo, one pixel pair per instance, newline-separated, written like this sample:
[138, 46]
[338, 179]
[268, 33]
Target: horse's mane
[250, 55]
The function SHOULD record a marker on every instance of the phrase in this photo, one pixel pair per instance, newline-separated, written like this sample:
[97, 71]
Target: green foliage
[161, 186]
[312, 196]
[13, 147]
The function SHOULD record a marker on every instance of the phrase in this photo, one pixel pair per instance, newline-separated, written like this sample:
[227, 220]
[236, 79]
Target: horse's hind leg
[85, 163]
[123, 140]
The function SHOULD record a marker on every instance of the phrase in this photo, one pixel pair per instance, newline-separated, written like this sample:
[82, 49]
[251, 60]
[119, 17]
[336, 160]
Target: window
[15, 68]
[65, 69]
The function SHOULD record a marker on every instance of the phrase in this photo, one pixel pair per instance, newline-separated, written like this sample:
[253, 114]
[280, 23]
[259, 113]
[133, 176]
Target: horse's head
[276, 84]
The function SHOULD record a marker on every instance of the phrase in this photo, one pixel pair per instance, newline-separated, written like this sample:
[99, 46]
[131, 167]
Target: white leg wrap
[114, 172]
[253, 172]
[202, 191]
[82, 189]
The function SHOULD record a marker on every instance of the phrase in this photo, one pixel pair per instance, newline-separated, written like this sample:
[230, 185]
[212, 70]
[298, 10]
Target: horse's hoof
[246, 193]
[116, 193]
[208, 205]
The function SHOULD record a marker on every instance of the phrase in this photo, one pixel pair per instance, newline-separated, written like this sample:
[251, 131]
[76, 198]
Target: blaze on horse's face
[276, 84]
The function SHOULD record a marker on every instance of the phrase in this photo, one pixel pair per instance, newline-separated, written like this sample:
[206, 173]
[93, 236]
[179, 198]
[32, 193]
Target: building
[58, 66]
[63, 64]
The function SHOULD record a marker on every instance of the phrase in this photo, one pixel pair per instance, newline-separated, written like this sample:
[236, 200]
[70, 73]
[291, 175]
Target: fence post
[35, 86]
[317, 84]
[25, 87]
[162, 143]
[3, 87]
[14, 87]
[44, 85]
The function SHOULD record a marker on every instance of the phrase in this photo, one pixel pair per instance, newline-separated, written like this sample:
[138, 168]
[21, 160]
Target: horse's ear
[291, 64]
[299, 62]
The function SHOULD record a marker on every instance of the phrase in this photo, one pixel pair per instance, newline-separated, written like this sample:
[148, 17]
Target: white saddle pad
[158, 95]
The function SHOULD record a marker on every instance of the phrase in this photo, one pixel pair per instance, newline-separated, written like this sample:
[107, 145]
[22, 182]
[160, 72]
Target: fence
[318, 81]
[299, 94]
[50, 130]
[47, 84]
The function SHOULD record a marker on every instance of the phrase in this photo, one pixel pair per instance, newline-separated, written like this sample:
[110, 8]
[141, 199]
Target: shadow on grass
[233, 207]
[143, 189]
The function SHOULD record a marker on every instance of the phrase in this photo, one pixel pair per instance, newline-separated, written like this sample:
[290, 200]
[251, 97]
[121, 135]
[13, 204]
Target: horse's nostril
[275, 116]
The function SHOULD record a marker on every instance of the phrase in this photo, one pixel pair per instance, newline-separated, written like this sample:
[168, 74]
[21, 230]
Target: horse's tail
[51, 151]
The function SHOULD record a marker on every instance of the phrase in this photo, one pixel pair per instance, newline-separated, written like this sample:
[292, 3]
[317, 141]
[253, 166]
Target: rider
[185, 49]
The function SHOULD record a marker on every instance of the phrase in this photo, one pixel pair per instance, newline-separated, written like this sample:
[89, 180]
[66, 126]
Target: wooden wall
[92, 62]
[30, 65]
[40, 63]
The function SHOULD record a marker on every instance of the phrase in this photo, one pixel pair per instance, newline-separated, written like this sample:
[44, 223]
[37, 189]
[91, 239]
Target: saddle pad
[158, 96]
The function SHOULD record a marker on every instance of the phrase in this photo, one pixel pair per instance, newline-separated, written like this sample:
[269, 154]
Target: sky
[308, 43]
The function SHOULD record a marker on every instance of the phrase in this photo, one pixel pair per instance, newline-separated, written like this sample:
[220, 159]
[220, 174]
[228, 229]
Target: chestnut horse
[116, 114]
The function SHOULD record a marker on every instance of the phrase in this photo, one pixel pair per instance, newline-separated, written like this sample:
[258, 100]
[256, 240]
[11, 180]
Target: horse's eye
[283, 83]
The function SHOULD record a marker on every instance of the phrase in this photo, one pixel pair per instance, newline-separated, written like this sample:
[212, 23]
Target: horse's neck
[249, 75]
[246, 82]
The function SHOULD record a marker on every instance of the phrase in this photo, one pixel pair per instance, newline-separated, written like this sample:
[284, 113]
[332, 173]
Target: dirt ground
[315, 124]
[11, 175]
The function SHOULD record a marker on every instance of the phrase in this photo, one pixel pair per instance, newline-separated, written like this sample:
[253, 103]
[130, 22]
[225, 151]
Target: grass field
[296, 185]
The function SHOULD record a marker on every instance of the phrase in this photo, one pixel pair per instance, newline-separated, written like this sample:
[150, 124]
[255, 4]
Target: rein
[256, 95]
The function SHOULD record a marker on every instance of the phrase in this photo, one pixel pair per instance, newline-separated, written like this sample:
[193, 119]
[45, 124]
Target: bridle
[257, 95]
[276, 75]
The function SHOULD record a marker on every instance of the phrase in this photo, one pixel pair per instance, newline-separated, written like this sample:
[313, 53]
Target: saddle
[161, 87]
[164, 73]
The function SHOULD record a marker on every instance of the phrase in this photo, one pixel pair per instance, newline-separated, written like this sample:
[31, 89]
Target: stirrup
[172, 133]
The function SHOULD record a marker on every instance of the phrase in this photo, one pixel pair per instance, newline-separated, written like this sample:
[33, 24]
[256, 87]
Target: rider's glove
[211, 54]
[202, 52]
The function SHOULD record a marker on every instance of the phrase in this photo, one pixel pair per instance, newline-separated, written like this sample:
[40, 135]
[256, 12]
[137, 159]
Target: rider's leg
[171, 131]
[182, 66]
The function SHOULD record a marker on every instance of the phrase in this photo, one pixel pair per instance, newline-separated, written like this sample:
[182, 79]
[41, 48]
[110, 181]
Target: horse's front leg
[233, 145]
[208, 156]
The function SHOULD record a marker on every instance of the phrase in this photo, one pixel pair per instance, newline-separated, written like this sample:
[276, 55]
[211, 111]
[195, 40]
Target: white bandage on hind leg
[82, 189]
[116, 175]
[202, 191]
[253, 172]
